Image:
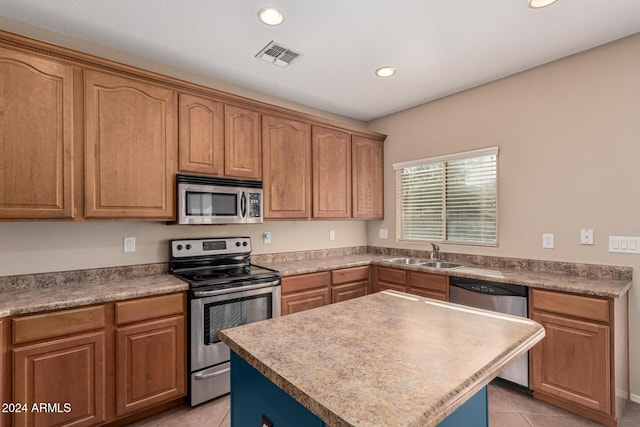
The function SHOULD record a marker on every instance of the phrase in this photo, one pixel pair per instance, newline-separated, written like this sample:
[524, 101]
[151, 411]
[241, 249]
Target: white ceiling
[439, 47]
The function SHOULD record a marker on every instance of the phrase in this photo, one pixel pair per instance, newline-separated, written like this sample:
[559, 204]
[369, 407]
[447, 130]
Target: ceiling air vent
[277, 54]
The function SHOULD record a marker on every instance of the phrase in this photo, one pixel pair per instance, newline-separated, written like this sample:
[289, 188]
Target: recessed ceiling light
[537, 4]
[270, 16]
[385, 71]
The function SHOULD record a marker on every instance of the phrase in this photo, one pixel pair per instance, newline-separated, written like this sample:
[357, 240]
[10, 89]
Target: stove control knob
[237, 243]
[188, 247]
[244, 243]
[179, 247]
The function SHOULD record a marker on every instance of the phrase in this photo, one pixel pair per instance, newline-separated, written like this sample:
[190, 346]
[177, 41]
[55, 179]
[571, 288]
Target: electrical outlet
[129, 244]
[332, 235]
[384, 233]
[266, 237]
[547, 241]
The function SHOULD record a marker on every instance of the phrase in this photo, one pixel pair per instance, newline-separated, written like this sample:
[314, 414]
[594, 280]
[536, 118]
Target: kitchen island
[386, 359]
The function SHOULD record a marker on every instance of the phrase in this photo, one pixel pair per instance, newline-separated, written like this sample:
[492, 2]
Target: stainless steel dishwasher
[499, 297]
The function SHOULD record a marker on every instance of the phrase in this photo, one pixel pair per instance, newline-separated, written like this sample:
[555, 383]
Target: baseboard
[635, 398]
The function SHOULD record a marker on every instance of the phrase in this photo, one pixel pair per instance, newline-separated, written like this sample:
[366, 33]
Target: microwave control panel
[255, 208]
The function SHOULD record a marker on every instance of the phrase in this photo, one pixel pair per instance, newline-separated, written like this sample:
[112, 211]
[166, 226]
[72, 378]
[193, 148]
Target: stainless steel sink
[424, 262]
[406, 261]
[440, 264]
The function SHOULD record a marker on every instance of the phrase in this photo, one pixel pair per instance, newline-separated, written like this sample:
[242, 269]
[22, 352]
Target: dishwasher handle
[489, 288]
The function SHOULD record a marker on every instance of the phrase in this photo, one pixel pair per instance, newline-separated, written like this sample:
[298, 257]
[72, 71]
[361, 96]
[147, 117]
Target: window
[449, 198]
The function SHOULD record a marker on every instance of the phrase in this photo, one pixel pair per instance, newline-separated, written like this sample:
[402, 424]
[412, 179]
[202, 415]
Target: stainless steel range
[225, 290]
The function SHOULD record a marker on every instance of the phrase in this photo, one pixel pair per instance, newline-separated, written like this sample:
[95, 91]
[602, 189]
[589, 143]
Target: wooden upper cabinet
[201, 135]
[242, 145]
[367, 175]
[286, 160]
[36, 154]
[331, 173]
[131, 148]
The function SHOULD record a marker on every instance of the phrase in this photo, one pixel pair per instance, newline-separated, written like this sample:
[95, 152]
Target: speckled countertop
[50, 291]
[415, 370]
[553, 276]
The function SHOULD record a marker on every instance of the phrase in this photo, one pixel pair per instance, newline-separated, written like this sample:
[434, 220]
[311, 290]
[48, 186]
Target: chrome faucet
[435, 253]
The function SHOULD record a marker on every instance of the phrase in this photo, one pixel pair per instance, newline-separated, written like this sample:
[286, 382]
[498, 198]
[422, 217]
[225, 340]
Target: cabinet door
[348, 291]
[572, 362]
[331, 173]
[368, 178]
[389, 278]
[305, 291]
[348, 283]
[36, 154]
[68, 373]
[150, 365]
[131, 148]
[242, 144]
[201, 135]
[305, 300]
[286, 159]
[428, 285]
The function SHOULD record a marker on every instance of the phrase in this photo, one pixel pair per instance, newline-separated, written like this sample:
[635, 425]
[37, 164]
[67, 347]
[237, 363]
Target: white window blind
[449, 198]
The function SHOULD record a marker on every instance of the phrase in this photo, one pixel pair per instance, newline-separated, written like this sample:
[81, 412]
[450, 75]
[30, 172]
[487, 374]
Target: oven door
[211, 314]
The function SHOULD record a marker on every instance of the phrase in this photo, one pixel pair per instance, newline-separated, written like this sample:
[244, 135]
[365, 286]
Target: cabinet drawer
[346, 275]
[391, 275]
[305, 281]
[572, 305]
[149, 308]
[49, 325]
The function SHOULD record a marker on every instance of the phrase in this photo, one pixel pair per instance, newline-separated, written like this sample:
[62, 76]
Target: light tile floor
[508, 407]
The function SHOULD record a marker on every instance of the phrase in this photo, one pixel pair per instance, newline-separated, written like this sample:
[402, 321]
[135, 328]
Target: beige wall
[37, 247]
[569, 138]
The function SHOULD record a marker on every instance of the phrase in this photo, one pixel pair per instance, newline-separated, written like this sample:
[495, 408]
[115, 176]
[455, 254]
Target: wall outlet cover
[129, 244]
[547, 241]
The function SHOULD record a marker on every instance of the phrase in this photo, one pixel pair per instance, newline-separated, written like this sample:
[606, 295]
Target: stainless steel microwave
[208, 200]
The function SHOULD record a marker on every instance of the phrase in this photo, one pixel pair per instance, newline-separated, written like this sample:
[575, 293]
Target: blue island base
[253, 397]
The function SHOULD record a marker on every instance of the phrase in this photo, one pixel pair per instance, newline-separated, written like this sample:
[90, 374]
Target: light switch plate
[266, 237]
[547, 241]
[624, 244]
[332, 235]
[384, 233]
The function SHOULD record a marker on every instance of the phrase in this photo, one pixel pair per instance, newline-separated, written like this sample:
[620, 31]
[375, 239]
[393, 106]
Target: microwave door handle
[243, 204]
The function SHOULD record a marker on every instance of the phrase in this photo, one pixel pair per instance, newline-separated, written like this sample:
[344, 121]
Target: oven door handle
[211, 374]
[202, 294]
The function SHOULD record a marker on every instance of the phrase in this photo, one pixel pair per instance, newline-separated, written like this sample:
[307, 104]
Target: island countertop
[386, 359]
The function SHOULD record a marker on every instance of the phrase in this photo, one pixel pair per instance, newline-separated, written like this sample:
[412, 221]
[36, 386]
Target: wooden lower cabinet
[5, 375]
[68, 374]
[574, 365]
[348, 283]
[305, 291]
[97, 364]
[389, 278]
[428, 285]
[150, 364]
